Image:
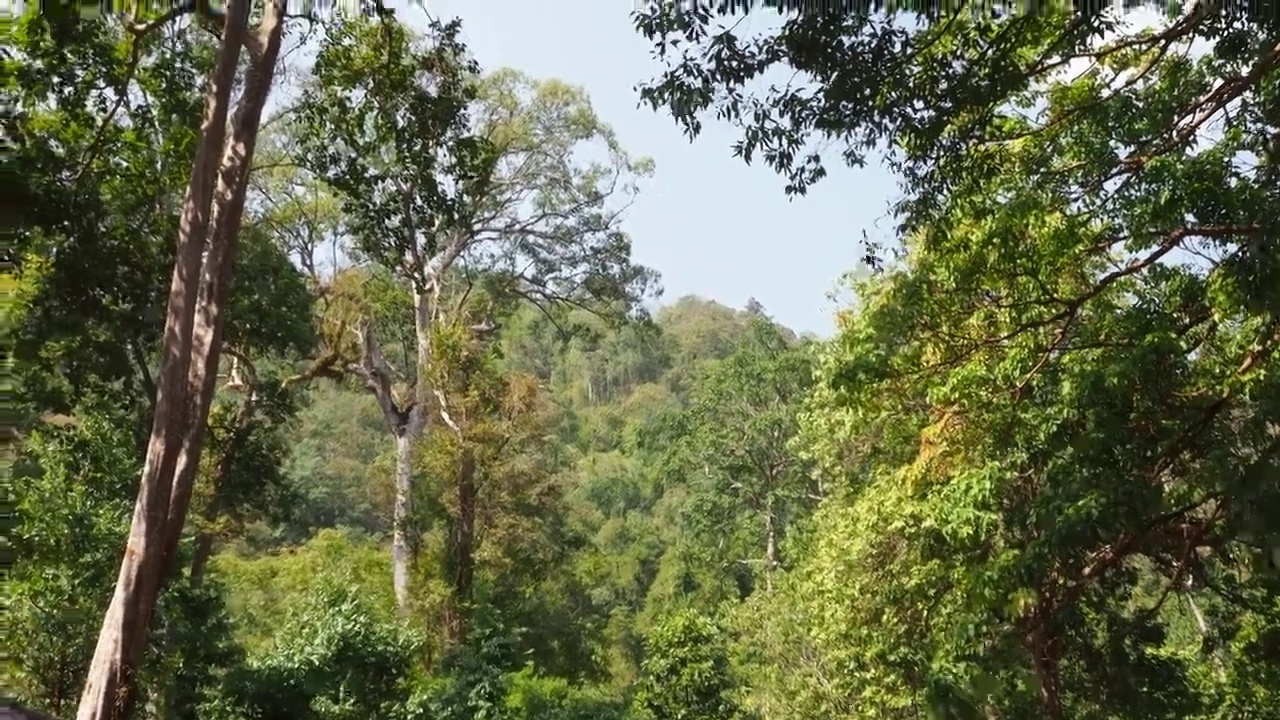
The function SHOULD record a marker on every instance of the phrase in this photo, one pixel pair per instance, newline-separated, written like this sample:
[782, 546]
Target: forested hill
[628, 470]
[359, 406]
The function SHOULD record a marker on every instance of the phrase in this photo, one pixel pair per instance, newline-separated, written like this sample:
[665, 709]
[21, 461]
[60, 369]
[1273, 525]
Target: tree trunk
[1045, 659]
[110, 685]
[200, 558]
[215, 290]
[401, 559]
[770, 548]
[405, 425]
[462, 553]
[1206, 634]
[215, 285]
[414, 422]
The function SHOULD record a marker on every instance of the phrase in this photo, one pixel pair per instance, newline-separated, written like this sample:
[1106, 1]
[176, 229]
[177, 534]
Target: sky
[710, 224]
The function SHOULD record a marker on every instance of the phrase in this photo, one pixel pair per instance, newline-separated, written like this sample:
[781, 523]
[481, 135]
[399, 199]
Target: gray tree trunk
[771, 561]
[401, 556]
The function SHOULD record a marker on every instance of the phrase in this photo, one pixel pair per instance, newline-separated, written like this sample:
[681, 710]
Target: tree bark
[405, 424]
[401, 557]
[462, 553]
[406, 437]
[771, 561]
[1045, 660]
[215, 285]
[110, 686]
[1206, 634]
[407, 427]
[406, 418]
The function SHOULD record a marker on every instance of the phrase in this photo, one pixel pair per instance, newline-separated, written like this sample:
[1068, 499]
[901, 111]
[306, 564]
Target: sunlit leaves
[74, 498]
[1066, 379]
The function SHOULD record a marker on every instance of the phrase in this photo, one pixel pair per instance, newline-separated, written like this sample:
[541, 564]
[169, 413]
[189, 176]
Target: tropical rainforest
[334, 391]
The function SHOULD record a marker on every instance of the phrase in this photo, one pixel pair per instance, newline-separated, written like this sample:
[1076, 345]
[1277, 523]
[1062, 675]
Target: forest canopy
[357, 403]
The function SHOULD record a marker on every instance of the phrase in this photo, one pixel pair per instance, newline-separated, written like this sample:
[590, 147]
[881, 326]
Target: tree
[197, 297]
[72, 507]
[125, 99]
[933, 88]
[90, 257]
[493, 505]
[448, 178]
[1052, 453]
[391, 113]
[1053, 403]
[481, 410]
[1023, 497]
[686, 673]
[735, 447]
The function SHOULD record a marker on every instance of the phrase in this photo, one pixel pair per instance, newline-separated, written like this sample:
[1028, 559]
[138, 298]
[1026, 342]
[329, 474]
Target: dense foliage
[1034, 473]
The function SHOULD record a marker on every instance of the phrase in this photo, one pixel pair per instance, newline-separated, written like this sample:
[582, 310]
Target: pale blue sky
[709, 223]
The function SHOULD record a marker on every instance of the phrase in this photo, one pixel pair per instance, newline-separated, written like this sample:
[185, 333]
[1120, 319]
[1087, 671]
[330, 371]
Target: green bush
[332, 660]
[534, 697]
[685, 674]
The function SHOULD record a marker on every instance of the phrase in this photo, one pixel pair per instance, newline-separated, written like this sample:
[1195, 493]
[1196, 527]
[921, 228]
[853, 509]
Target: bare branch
[375, 371]
[444, 412]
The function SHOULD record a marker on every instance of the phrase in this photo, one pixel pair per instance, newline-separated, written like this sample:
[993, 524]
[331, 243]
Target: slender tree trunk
[1045, 659]
[401, 559]
[407, 435]
[405, 425]
[1205, 633]
[111, 683]
[462, 553]
[770, 548]
[200, 557]
[215, 290]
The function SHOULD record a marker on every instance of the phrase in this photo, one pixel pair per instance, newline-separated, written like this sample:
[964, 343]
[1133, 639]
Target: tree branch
[375, 371]
[323, 366]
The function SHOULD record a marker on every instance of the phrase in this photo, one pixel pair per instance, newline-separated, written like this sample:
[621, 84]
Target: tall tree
[124, 632]
[448, 177]
[91, 256]
[111, 109]
[391, 110]
[194, 317]
[490, 470]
